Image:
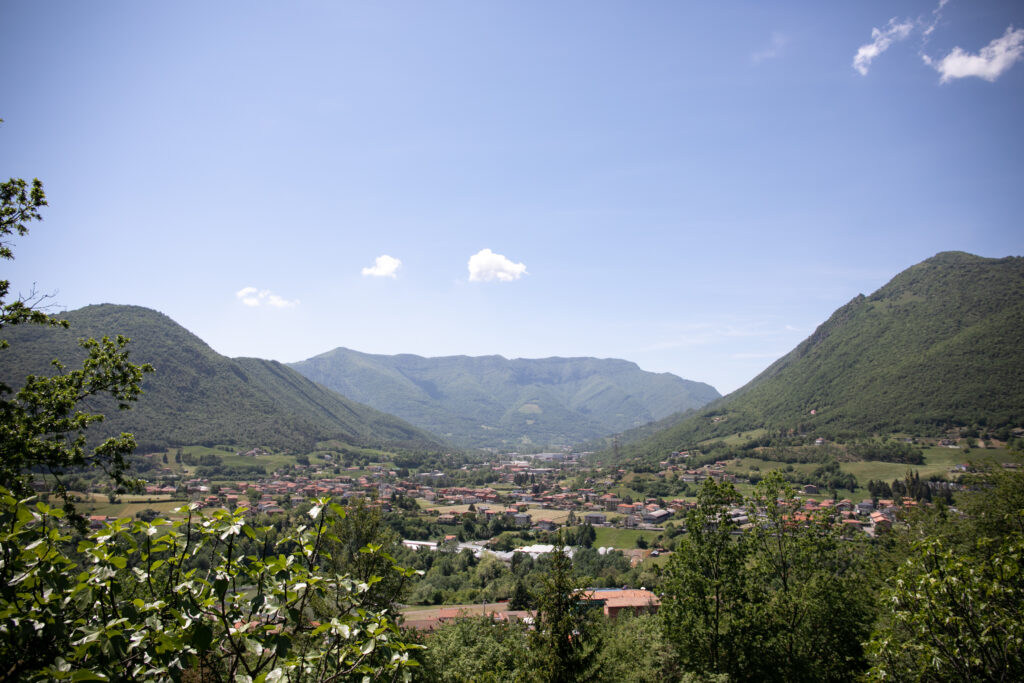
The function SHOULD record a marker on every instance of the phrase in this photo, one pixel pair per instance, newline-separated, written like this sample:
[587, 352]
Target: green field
[938, 461]
[125, 509]
[740, 438]
[659, 561]
[623, 539]
[268, 462]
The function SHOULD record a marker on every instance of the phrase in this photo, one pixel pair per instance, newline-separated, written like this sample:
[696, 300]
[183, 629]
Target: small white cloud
[485, 265]
[881, 39]
[989, 64]
[279, 302]
[383, 266]
[250, 296]
[772, 51]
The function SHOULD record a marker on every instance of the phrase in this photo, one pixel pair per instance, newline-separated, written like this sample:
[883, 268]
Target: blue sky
[690, 186]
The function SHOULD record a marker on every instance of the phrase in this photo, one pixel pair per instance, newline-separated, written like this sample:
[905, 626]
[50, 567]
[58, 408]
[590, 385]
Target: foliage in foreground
[136, 608]
[954, 616]
[43, 425]
[954, 604]
[782, 601]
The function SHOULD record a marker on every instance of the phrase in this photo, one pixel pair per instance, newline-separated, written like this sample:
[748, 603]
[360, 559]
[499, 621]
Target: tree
[475, 649]
[359, 527]
[587, 535]
[780, 601]
[563, 644]
[634, 650]
[954, 616]
[139, 606]
[705, 611]
[520, 598]
[806, 587]
[954, 609]
[43, 425]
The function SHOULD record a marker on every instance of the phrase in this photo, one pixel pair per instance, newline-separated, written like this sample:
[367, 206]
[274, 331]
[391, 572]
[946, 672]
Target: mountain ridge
[940, 345]
[197, 396]
[492, 401]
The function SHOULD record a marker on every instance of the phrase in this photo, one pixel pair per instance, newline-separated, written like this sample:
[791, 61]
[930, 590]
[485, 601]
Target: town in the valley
[514, 506]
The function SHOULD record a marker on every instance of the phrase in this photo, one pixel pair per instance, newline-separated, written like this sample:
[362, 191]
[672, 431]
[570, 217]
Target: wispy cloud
[936, 17]
[251, 296]
[383, 266]
[485, 266]
[779, 42]
[881, 39]
[989, 64]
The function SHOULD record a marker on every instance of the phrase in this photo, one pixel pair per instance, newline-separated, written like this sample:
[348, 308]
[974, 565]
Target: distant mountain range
[940, 346]
[491, 401]
[197, 396]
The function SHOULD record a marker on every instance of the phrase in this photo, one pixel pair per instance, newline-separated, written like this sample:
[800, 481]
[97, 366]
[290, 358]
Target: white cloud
[250, 296]
[384, 266]
[485, 265]
[989, 64]
[771, 52]
[936, 17]
[881, 39]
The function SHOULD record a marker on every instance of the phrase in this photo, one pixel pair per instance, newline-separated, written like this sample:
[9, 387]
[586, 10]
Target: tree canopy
[43, 425]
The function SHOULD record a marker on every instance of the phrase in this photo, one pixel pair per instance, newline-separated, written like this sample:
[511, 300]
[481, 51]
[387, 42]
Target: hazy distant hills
[491, 401]
[198, 396]
[939, 346]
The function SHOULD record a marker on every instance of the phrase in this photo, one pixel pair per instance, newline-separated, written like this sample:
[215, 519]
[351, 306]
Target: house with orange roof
[615, 601]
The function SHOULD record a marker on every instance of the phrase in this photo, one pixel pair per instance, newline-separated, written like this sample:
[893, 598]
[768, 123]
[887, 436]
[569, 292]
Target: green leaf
[202, 636]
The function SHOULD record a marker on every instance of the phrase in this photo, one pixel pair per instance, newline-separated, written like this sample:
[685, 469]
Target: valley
[880, 426]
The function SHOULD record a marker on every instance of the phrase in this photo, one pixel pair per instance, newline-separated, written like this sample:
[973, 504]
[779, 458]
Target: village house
[656, 516]
[521, 519]
[880, 522]
[615, 601]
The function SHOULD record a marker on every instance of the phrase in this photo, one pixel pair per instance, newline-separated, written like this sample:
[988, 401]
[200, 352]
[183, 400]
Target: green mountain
[491, 401]
[197, 396]
[939, 346]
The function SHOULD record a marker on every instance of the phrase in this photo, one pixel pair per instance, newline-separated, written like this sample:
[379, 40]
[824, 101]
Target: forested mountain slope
[941, 345]
[493, 401]
[198, 396]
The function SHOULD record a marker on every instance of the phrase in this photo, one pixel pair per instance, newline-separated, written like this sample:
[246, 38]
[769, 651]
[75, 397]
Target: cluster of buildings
[611, 601]
[591, 504]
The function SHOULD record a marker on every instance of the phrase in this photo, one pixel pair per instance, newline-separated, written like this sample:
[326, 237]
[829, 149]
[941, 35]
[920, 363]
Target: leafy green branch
[139, 606]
